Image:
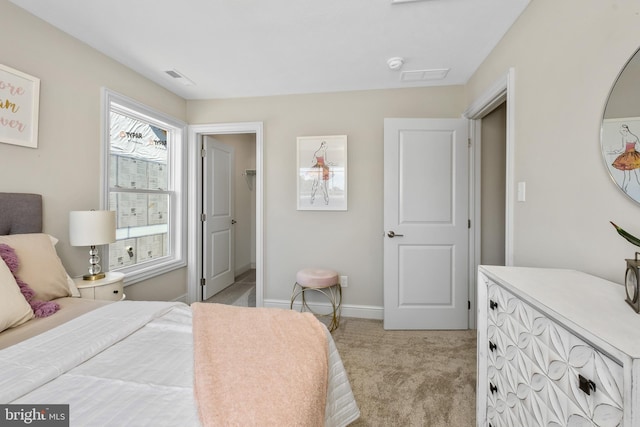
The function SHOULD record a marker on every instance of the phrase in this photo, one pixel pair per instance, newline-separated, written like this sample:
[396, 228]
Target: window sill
[139, 274]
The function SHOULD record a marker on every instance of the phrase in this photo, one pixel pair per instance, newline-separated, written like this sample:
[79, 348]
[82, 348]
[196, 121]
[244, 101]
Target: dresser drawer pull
[492, 304]
[493, 388]
[492, 346]
[586, 385]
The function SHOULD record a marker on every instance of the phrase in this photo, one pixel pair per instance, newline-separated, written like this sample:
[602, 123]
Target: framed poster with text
[19, 103]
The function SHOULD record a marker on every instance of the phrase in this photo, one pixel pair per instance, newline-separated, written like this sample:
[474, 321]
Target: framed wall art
[620, 140]
[322, 173]
[19, 104]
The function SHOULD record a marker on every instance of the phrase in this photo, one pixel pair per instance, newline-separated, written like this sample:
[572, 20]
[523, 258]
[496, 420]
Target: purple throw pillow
[40, 308]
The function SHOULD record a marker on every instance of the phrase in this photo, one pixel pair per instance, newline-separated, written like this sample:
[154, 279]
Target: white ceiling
[241, 48]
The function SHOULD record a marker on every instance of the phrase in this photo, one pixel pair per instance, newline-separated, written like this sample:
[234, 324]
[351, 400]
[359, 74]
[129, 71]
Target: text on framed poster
[19, 103]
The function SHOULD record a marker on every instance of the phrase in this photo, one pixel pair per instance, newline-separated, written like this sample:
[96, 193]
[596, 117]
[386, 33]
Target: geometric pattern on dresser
[540, 374]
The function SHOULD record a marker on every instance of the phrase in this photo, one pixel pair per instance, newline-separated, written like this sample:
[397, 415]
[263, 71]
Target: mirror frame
[620, 130]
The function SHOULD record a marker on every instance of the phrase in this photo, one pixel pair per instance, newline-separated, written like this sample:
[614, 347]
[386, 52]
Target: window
[146, 186]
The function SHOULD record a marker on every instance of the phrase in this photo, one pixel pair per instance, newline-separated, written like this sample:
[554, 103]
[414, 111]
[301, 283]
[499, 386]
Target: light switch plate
[522, 189]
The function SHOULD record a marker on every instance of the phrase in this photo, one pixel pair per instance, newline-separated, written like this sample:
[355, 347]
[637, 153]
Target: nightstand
[111, 287]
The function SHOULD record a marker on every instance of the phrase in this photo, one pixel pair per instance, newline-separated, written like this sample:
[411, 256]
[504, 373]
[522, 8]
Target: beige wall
[65, 168]
[566, 55]
[351, 241]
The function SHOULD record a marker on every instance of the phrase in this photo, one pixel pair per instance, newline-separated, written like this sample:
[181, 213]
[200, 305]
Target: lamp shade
[92, 228]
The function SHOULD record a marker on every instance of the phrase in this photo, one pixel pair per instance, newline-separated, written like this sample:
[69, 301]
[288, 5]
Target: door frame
[502, 90]
[194, 226]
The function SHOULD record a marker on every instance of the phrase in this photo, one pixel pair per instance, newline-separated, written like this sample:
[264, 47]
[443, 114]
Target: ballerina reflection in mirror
[629, 160]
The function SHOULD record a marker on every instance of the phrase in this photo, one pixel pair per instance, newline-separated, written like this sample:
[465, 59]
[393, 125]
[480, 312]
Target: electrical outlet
[344, 281]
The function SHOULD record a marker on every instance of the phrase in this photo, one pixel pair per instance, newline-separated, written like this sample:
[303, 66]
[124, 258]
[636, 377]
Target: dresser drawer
[112, 292]
[548, 373]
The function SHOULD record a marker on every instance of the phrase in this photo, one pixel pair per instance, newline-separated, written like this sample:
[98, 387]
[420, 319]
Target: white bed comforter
[128, 363]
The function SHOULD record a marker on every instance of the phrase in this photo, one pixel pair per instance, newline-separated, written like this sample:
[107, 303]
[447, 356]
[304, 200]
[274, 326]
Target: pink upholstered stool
[327, 283]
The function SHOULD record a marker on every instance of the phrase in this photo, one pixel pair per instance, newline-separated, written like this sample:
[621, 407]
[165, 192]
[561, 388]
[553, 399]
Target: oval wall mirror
[620, 131]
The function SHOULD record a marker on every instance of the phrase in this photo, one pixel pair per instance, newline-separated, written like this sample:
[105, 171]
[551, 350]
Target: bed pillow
[73, 289]
[75, 292]
[40, 266]
[14, 309]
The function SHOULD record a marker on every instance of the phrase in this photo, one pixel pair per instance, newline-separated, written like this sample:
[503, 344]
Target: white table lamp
[92, 228]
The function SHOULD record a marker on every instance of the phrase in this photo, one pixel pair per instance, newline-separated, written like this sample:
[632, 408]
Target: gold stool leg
[295, 293]
[333, 294]
[336, 302]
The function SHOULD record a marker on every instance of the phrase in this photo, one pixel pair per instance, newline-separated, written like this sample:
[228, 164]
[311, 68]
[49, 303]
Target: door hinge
[203, 153]
[468, 305]
[203, 217]
[203, 282]
[469, 141]
[468, 223]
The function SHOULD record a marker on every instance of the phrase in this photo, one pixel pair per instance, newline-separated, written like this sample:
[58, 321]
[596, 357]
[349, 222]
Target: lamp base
[96, 276]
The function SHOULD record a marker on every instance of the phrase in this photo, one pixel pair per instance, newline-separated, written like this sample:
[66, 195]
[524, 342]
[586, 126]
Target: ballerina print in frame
[621, 153]
[322, 173]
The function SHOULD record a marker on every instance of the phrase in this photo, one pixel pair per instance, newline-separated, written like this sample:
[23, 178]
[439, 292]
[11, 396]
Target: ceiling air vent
[421, 75]
[404, 1]
[179, 77]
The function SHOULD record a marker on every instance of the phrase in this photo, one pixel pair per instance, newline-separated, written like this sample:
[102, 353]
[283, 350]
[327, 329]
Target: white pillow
[14, 309]
[40, 267]
[75, 292]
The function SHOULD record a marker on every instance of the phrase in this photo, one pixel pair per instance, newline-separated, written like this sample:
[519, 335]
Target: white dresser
[555, 348]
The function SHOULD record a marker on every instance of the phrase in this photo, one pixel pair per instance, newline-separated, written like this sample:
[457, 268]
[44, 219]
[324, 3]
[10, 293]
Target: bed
[154, 363]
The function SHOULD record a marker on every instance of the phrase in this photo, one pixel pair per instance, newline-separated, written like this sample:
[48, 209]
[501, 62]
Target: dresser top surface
[594, 307]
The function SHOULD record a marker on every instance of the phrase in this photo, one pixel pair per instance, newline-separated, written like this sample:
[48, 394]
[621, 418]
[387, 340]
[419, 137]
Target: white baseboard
[357, 311]
[181, 298]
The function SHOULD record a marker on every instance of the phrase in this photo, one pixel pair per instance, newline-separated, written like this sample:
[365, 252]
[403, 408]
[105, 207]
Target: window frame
[177, 183]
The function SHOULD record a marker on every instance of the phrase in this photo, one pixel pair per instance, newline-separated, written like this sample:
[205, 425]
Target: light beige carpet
[409, 378]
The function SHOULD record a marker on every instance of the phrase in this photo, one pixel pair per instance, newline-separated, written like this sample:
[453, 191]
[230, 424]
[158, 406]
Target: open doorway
[197, 134]
[229, 260]
[493, 152]
[499, 95]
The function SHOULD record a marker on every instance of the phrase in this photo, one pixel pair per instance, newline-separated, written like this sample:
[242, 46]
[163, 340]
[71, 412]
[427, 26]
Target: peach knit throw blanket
[259, 366]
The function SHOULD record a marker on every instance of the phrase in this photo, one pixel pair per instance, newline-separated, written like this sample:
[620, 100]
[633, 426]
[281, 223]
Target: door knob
[392, 234]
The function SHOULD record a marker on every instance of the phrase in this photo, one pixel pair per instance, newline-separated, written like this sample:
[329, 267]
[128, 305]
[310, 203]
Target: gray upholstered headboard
[20, 213]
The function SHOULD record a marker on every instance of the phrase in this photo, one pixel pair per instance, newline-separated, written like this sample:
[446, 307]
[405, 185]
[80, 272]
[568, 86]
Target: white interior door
[426, 243]
[218, 199]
